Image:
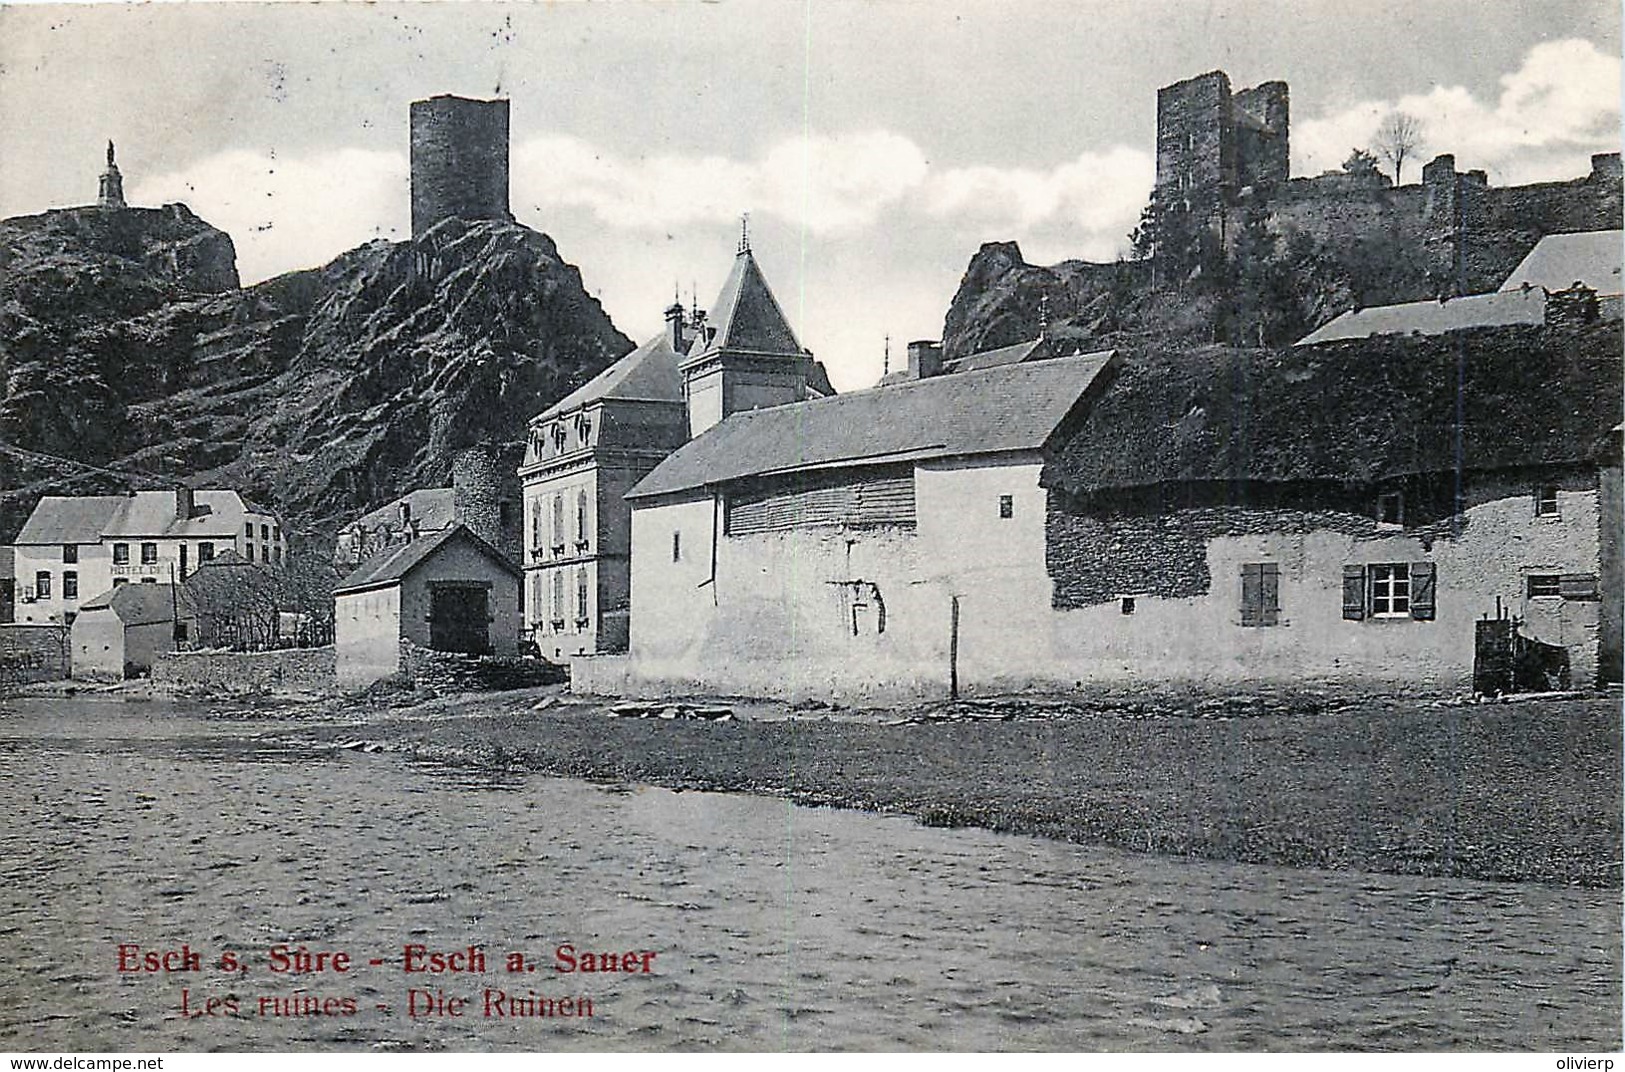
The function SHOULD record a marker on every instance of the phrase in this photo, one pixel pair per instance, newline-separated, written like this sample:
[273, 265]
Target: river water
[773, 926]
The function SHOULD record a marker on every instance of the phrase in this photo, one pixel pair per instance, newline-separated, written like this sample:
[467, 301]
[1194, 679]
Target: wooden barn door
[459, 619]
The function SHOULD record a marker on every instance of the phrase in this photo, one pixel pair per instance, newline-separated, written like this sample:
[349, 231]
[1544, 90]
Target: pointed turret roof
[746, 316]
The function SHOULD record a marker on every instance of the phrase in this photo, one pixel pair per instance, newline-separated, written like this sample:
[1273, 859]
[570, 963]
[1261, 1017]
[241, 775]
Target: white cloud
[285, 213]
[1561, 105]
[1088, 204]
[829, 184]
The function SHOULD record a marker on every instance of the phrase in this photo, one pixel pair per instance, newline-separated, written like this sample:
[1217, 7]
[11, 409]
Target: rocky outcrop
[322, 393]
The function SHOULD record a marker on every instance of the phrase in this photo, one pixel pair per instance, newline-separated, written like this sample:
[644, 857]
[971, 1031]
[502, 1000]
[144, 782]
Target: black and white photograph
[811, 525]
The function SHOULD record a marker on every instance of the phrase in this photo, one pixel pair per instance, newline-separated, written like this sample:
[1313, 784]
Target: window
[205, 552]
[70, 584]
[276, 532]
[1544, 585]
[581, 519]
[149, 553]
[1260, 593]
[149, 580]
[70, 553]
[42, 585]
[1391, 509]
[248, 529]
[557, 614]
[1128, 605]
[676, 546]
[1546, 501]
[581, 596]
[250, 549]
[1007, 506]
[121, 554]
[265, 533]
[1389, 590]
[277, 551]
[558, 524]
[120, 582]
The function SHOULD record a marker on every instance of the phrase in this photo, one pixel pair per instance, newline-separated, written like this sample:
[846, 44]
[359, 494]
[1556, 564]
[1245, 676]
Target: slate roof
[648, 373]
[1559, 261]
[142, 604]
[152, 513]
[1496, 309]
[746, 316]
[70, 519]
[393, 564]
[1354, 412]
[1008, 408]
[1032, 349]
[432, 508]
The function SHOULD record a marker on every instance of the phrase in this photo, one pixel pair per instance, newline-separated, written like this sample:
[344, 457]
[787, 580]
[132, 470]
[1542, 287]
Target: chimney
[924, 359]
[185, 502]
[406, 513]
[676, 334]
[1572, 308]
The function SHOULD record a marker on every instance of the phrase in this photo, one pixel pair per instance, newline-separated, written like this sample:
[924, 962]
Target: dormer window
[558, 436]
[583, 426]
[1391, 509]
[1546, 501]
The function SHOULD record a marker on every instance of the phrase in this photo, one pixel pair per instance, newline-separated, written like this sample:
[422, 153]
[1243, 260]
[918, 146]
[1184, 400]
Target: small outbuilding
[120, 633]
[450, 591]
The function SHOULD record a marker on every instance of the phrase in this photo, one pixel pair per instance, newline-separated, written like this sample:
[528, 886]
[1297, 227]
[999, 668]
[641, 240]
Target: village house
[1349, 512]
[450, 592]
[74, 547]
[588, 450]
[121, 632]
[479, 497]
[829, 548]
[1558, 263]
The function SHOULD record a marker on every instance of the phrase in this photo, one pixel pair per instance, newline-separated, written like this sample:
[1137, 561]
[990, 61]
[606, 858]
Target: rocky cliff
[128, 348]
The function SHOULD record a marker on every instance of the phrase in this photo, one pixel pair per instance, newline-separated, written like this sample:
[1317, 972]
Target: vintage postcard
[811, 526]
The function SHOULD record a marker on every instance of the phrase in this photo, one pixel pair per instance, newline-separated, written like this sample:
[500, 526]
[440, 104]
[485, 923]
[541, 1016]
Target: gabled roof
[1559, 261]
[648, 373]
[746, 315]
[1008, 408]
[152, 513]
[1032, 349]
[432, 509]
[1352, 413]
[393, 564]
[1496, 309]
[142, 604]
[70, 519]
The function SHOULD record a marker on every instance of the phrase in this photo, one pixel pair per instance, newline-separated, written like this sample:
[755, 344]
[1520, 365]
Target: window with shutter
[558, 523]
[1424, 586]
[581, 596]
[557, 615]
[581, 519]
[1354, 593]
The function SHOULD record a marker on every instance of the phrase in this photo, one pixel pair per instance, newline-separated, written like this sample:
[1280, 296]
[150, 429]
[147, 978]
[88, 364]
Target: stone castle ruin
[459, 161]
[1222, 154]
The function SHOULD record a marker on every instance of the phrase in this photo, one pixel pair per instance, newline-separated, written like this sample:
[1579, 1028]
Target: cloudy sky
[876, 145]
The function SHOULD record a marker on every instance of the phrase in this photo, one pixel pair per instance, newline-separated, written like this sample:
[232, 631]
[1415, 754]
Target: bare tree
[1398, 138]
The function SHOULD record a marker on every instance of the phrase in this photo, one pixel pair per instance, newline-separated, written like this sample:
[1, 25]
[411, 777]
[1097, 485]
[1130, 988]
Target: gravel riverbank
[1515, 792]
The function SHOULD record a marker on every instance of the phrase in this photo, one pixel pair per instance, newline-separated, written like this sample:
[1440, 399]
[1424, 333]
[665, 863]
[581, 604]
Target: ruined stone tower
[1212, 143]
[459, 161]
[110, 193]
[485, 497]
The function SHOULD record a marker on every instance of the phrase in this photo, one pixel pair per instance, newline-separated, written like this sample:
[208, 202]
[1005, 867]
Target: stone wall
[33, 653]
[444, 671]
[284, 670]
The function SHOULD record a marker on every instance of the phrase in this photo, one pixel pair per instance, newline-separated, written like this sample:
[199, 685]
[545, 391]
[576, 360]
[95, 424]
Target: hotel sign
[146, 569]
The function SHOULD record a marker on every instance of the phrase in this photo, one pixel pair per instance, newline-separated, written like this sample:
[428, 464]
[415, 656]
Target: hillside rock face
[321, 393]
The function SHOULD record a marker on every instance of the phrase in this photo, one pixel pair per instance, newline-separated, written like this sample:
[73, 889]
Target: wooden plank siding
[851, 499]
